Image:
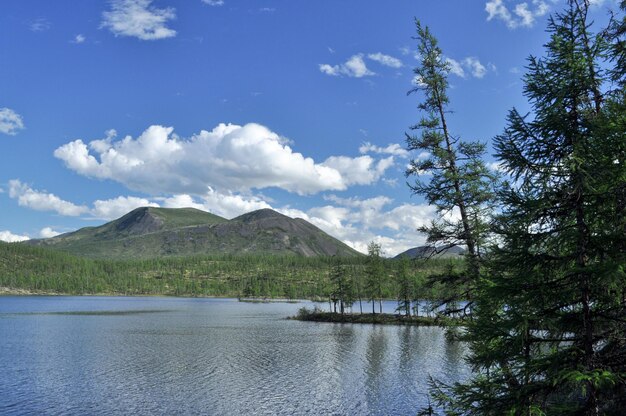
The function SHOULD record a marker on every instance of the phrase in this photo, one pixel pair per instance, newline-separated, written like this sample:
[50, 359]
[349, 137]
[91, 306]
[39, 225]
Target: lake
[154, 355]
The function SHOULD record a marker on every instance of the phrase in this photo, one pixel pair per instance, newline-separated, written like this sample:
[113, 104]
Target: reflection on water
[86, 355]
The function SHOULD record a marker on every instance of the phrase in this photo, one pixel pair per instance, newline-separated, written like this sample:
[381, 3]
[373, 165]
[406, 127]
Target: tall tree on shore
[374, 276]
[460, 185]
[342, 288]
[405, 284]
[548, 330]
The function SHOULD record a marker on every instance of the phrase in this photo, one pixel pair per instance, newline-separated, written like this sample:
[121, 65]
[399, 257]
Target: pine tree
[460, 182]
[342, 288]
[548, 334]
[405, 285]
[374, 276]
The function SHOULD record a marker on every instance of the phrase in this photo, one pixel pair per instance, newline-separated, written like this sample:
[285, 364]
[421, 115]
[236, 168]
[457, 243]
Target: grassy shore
[317, 315]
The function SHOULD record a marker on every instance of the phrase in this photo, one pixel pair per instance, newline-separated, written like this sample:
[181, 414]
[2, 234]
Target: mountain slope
[423, 252]
[153, 232]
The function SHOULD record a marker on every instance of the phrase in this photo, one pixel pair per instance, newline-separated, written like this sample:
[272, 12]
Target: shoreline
[14, 291]
[306, 315]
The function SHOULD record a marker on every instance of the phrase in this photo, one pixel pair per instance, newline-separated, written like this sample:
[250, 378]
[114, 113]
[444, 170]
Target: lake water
[115, 355]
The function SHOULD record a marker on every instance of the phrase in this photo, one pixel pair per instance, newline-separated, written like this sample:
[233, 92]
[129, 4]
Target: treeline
[42, 270]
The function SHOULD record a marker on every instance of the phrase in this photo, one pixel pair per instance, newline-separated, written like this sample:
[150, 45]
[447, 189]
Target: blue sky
[231, 106]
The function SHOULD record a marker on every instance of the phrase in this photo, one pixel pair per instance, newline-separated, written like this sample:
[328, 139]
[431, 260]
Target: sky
[235, 105]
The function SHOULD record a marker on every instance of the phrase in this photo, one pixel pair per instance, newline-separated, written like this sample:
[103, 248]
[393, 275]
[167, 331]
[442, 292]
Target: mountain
[152, 232]
[423, 252]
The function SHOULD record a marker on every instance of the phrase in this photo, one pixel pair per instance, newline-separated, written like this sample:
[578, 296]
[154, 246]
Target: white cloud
[358, 221]
[469, 65]
[455, 67]
[43, 201]
[213, 2]
[138, 18]
[79, 39]
[477, 69]
[362, 170]
[230, 157]
[386, 60]
[111, 209]
[40, 25]
[418, 81]
[9, 237]
[354, 67]
[523, 15]
[48, 232]
[10, 121]
[391, 149]
[227, 204]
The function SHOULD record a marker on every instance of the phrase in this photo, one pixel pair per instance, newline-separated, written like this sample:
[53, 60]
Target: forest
[43, 270]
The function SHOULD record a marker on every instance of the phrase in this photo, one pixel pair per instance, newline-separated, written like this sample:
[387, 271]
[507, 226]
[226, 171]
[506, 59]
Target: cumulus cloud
[354, 67]
[43, 201]
[9, 237]
[10, 121]
[358, 221]
[361, 170]
[469, 65]
[213, 2]
[230, 157]
[138, 18]
[386, 60]
[391, 149]
[226, 204]
[110, 209]
[102, 209]
[455, 67]
[477, 69]
[357, 68]
[48, 232]
[522, 15]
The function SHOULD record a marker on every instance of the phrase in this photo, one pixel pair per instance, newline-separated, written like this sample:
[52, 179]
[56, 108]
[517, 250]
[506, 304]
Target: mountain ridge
[422, 252]
[148, 232]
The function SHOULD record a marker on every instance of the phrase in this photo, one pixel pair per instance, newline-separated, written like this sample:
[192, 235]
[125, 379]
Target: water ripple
[215, 357]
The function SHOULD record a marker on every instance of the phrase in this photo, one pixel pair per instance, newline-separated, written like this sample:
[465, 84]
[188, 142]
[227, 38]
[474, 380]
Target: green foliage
[43, 270]
[342, 288]
[375, 274]
[459, 182]
[548, 330]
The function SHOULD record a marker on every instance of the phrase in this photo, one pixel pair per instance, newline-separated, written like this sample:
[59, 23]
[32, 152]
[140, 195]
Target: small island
[318, 315]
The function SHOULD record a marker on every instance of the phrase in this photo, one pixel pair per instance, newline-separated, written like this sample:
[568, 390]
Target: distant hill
[152, 232]
[423, 252]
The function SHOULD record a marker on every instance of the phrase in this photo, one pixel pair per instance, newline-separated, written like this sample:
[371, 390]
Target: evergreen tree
[460, 182]
[405, 286]
[548, 334]
[374, 275]
[342, 288]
